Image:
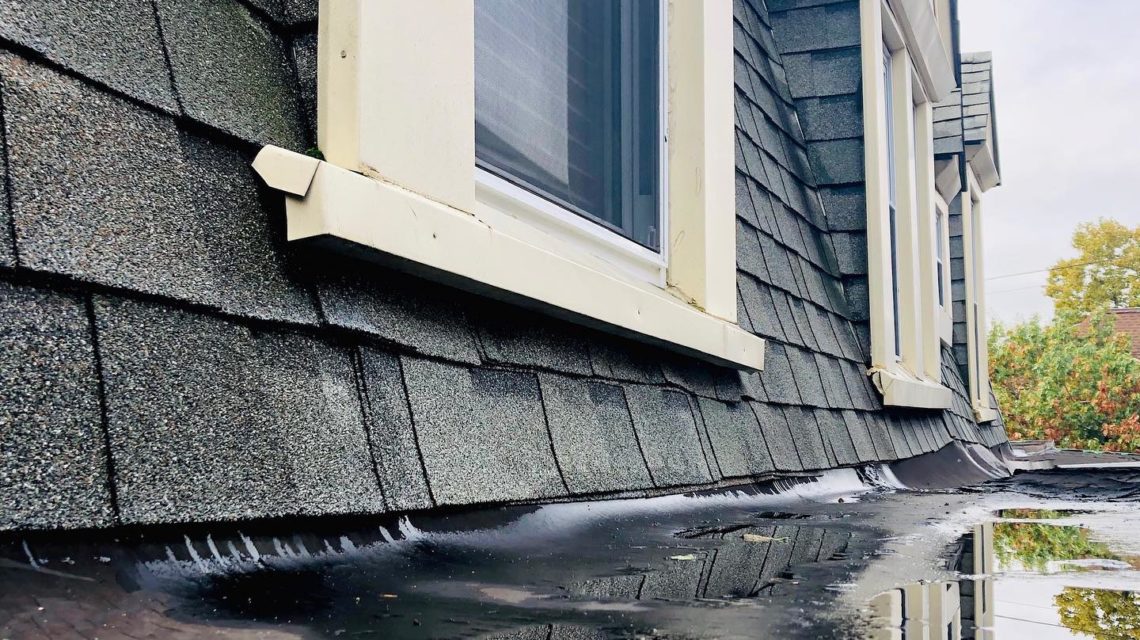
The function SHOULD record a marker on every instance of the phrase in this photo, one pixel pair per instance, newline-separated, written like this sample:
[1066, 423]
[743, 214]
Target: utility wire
[1035, 286]
[1068, 266]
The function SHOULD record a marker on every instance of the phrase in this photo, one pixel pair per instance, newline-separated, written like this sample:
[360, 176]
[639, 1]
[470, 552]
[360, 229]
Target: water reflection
[1017, 584]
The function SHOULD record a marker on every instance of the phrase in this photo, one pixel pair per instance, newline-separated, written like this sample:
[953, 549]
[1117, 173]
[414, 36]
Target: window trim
[913, 378]
[398, 183]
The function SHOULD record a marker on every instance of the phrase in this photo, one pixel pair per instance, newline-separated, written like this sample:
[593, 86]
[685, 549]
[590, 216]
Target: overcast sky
[1067, 83]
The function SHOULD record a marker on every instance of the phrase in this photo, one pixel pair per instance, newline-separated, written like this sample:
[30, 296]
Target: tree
[1106, 273]
[1073, 381]
[1100, 613]
[1036, 544]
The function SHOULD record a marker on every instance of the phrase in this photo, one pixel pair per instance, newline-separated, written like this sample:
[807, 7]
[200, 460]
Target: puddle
[813, 560]
[1040, 514]
[1020, 580]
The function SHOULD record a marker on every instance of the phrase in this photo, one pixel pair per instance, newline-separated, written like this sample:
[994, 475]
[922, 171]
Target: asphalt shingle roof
[246, 378]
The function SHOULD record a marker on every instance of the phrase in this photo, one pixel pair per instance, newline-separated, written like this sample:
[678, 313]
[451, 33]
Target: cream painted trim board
[702, 155]
[429, 238]
[396, 93]
[531, 217]
[901, 390]
[928, 242]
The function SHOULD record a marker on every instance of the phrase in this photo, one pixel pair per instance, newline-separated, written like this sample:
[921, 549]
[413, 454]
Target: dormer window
[517, 149]
[901, 78]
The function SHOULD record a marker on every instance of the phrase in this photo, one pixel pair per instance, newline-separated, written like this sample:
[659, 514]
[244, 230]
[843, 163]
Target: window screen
[567, 106]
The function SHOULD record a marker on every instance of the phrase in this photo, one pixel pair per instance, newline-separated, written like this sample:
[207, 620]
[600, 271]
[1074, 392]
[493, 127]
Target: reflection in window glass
[567, 106]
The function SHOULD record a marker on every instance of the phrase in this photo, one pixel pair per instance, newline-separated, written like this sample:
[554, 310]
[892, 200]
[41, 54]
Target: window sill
[984, 414]
[531, 219]
[368, 217]
[902, 390]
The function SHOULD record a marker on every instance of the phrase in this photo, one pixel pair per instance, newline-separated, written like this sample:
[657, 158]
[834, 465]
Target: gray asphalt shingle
[232, 71]
[514, 336]
[778, 436]
[835, 389]
[736, 439]
[53, 460]
[418, 315]
[860, 434]
[211, 421]
[831, 26]
[7, 239]
[667, 431]
[141, 206]
[806, 437]
[113, 41]
[593, 436]
[485, 439]
[836, 437]
[391, 433]
[830, 72]
[779, 382]
[807, 377]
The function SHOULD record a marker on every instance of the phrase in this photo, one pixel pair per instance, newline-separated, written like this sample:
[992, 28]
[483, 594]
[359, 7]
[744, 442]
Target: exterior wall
[166, 357]
[958, 287]
[820, 48]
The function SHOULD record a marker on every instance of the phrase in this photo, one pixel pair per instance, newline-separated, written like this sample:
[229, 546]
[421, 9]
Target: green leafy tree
[1106, 273]
[1073, 381]
[1035, 544]
[1100, 613]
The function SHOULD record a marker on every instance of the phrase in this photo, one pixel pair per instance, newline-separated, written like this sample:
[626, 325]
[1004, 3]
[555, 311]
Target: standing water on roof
[833, 556]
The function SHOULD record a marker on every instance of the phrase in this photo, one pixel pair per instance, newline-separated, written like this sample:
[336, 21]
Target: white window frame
[945, 320]
[920, 76]
[977, 345]
[396, 122]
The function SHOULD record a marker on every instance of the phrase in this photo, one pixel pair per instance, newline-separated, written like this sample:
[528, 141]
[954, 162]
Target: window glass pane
[895, 278]
[567, 105]
[938, 256]
[888, 109]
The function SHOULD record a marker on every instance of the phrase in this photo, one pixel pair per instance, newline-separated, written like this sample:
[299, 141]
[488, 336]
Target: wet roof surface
[830, 557]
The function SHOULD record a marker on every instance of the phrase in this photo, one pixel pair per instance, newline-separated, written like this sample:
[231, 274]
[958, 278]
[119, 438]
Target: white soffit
[981, 159]
[948, 178]
[931, 58]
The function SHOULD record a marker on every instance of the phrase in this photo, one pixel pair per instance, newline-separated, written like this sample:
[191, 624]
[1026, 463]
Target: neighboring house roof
[1128, 323]
[165, 356]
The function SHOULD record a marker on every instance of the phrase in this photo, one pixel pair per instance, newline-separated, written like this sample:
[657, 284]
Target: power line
[1035, 286]
[1068, 266]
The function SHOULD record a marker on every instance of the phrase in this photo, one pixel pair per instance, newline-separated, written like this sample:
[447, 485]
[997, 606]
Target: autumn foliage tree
[1100, 613]
[1073, 381]
[1106, 273]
